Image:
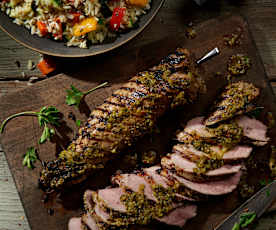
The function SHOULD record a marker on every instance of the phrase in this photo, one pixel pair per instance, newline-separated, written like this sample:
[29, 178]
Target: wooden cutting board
[117, 67]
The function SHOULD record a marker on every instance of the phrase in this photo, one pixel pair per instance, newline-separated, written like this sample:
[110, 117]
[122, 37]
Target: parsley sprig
[75, 96]
[47, 115]
[245, 220]
[30, 158]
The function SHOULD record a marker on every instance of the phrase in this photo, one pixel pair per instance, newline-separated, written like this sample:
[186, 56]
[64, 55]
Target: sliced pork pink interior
[253, 129]
[179, 216]
[177, 162]
[89, 221]
[75, 223]
[215, 188]
[134, 182]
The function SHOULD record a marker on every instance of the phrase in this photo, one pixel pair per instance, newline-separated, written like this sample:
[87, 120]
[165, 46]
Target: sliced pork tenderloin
[194, 126]
[89, 222]
[204, 190]
[106, 208]
[186, 168]
[179, 216]
[155, 176]
[238, 153]
[154, 173]
[75, 223]
[253, 129]
[133, 182]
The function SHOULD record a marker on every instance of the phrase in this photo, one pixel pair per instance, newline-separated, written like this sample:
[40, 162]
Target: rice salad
[76, 22]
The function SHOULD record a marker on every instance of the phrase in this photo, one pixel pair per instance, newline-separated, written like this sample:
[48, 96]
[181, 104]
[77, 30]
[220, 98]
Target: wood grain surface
[262, 22]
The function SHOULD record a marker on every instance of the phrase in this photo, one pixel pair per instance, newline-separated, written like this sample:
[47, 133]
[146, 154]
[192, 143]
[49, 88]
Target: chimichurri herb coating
[130, 113]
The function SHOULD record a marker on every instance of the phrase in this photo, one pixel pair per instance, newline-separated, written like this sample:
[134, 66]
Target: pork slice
[88, 200]
[185, 168]
[253, 129]
[75, 224]
[179, 216]
[97, 202]
[194, 126]
[188, 151]
[89, 221]
[102, 214]
[111, 198]
[192, 154]
[213, 188]
[156, 177]
[239, 152]
[154, 172]
[133, 182]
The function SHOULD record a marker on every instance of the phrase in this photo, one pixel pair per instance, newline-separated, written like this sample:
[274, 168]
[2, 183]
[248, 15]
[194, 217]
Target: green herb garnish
[47, 115]
[74, 96]
[78, 123]
[30, 158]
[245, 220]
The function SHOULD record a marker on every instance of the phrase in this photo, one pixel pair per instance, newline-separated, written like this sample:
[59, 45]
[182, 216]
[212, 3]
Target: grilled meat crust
[127, 115]
[237, 99]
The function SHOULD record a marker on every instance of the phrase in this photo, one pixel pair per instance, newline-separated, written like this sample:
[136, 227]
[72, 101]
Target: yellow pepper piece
[139, 3]
[85, 26]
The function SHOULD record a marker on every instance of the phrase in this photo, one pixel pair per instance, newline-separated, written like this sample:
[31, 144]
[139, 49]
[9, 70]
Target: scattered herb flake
[190, 33]
[78, 123]
[238, 64]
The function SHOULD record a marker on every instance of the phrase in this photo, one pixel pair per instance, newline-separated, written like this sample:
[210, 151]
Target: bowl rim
[135, 32]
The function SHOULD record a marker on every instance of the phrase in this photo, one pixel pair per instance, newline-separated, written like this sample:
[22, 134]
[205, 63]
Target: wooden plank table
[14, 73]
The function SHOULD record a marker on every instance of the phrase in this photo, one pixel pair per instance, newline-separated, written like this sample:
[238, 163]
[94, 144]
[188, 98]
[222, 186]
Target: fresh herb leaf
[47, 115]
[267, 193]
[78, 123]
[74, 96]
[30, 158]
[236, 226]
[247, 218]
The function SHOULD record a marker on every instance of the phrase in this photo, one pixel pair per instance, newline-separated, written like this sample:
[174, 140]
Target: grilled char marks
[127, 115]
[237, 99]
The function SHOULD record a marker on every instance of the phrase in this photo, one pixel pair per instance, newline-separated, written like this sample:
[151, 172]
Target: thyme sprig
[75, 96]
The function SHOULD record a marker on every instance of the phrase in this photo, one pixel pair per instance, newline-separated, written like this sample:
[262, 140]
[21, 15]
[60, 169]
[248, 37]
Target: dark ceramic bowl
[51, 47]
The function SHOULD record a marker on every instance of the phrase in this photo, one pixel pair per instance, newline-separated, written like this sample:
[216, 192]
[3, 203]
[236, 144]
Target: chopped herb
[191, 33]
[267, 193]
[74, 96]
[238, 64]
[234, 39]
[30, 158]
[47, 115]
[78, 123]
